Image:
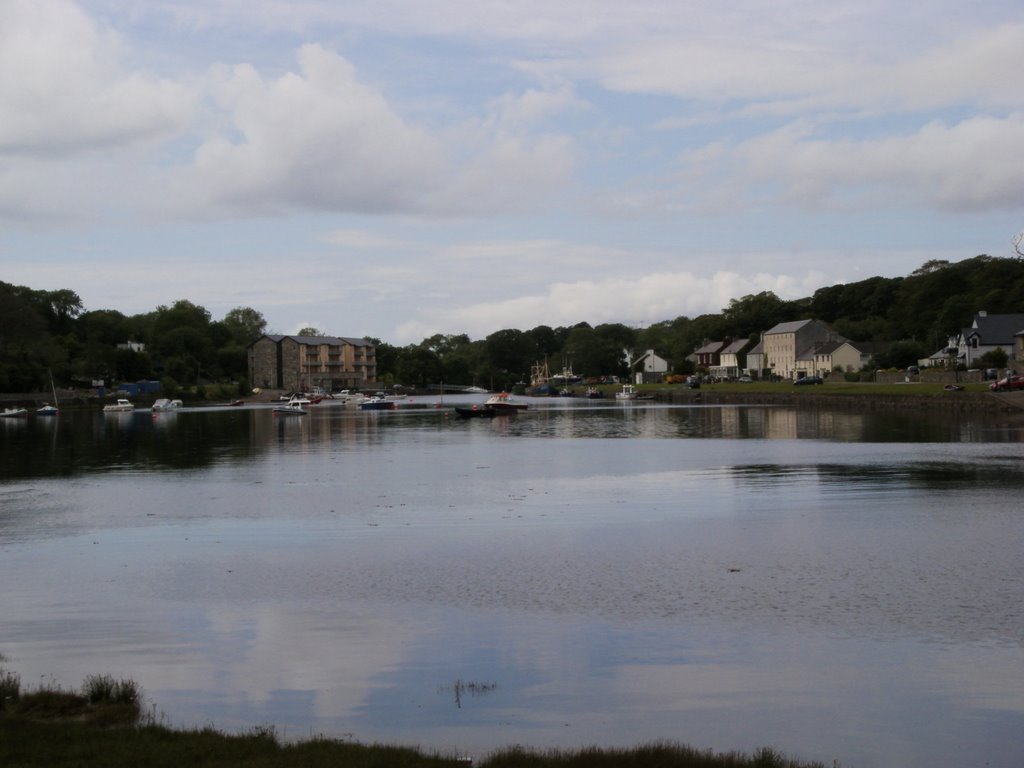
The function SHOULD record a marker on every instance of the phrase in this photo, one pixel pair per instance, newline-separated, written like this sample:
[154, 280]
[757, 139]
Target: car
[745, 380]
[810, 380]
[1009, 383]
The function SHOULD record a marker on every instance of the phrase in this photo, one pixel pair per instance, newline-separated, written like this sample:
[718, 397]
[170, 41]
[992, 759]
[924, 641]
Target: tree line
[50, 331]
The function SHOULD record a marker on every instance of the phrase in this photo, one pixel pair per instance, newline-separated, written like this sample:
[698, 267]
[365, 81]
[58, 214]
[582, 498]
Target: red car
[1005, 385]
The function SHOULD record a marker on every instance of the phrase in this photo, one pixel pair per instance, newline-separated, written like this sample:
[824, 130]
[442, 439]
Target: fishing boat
[628, 393]
[502, 401]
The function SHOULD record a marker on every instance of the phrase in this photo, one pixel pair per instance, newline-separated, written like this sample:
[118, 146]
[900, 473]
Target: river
[838, 586]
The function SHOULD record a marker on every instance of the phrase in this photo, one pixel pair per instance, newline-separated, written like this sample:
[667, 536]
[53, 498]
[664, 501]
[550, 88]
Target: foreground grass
[31, 743]
[102, 726]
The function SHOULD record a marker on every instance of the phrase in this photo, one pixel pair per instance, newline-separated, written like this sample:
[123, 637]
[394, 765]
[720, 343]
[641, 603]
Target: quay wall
[959, 402]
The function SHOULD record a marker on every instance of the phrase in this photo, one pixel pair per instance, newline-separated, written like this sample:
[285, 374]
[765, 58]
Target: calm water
[839, 586]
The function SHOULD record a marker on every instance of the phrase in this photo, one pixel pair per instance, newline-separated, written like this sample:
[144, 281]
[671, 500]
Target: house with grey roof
[986, 334]
[731, 360]
[789, 347]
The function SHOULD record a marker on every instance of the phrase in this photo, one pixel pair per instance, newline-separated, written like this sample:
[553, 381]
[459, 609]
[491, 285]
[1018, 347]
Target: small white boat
[121, 406]
[163, 404]
[11, 413]
[628, 393]
[291, 408]
[502, 401]
[50, 410]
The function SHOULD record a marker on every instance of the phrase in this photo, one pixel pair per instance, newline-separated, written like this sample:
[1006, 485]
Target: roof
[757, 349]
[317, 340]
[736, 347]
[791, 327]
[710, 348]
[996, 329]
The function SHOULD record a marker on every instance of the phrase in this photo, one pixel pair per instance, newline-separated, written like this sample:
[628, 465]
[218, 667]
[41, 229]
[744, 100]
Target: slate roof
[995, 329]
[316, 340]
[736, 347]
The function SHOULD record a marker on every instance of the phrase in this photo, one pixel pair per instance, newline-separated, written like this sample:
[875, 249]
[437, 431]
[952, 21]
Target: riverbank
[845, 396]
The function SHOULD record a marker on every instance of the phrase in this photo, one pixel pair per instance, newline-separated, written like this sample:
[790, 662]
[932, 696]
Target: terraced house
[300, 363]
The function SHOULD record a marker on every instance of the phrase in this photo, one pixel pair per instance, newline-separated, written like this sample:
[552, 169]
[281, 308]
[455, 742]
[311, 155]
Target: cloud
[967, 166]
[63, 90]
[647, 298]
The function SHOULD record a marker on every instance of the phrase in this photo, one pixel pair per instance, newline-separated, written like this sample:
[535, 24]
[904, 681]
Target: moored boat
[377, 403]
[502, 401]
[628, 393]
[291, 408]
[164, 404]
[121, 406]
[11, 413]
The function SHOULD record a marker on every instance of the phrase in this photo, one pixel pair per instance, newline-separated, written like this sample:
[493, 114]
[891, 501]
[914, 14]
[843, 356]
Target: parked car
[810, 380]
[1007, 384]
[745, 380]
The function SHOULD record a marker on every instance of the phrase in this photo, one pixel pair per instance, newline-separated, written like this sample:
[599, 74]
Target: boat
[502, 401]
[121, 406]
[377, 403]
[163, 404]
[11, 413]
[476, 412]
[237, 402]
[628, 393]
[50, 410]
[291, 408]
[593, 393]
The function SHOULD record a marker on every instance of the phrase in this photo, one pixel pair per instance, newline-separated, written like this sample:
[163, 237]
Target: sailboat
[47, 409]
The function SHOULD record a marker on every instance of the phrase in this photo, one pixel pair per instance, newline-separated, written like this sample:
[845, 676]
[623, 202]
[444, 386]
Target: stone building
[789, 347]
[300, 363]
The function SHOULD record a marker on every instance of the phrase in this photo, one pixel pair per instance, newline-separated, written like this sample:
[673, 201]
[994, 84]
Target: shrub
[104, 689]
[10, 687]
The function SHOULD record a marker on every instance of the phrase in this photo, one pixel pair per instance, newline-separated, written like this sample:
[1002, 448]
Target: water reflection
[618, 574]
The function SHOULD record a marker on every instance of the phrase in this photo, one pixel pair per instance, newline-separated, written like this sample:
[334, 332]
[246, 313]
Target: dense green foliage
[43, 331]
[50, 331]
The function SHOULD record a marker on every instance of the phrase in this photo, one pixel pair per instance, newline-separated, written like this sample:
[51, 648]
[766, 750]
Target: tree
[245, 325]
[310, 331]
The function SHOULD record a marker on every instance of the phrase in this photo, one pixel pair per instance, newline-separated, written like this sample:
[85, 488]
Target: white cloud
[647, 298]
[967, 166]
[62, 89]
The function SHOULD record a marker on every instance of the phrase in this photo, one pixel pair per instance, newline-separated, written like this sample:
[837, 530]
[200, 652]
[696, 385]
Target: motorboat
[628, 392]
[121, 406]
[593, 393]
[291, 408]
[377, 403]
[11, 413]
[502, 401]
[163, 404]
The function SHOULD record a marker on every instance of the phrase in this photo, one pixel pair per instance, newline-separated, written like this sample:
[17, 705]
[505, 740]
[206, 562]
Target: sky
[399, 169]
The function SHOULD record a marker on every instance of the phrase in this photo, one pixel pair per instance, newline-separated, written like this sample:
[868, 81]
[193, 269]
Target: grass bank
[102, 725]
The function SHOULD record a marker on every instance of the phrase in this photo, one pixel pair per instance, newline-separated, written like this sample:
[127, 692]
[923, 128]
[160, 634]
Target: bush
[10, 687]
[104, 689]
